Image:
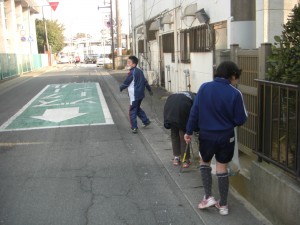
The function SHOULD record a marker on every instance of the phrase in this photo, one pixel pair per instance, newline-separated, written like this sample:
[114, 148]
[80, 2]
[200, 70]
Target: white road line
[6, 124]
[106, 112]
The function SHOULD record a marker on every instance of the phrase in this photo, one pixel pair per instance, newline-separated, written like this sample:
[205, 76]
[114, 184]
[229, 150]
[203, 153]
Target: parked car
[63, 59]
[103, 59]
[90, 58]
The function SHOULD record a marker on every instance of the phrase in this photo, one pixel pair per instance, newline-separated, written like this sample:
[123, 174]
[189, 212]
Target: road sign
[62, 105]
[30, 38]
[53, 5]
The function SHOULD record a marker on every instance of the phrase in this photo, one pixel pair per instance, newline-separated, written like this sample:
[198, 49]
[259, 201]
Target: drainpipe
[168, 78]
[145, 38]
[175, 48]
[187, 80]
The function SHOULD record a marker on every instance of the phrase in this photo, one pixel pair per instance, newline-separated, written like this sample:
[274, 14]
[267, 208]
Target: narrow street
[89, 174]
[60, 166]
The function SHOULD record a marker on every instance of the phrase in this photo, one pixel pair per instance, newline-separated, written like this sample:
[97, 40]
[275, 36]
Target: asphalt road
[100, 174]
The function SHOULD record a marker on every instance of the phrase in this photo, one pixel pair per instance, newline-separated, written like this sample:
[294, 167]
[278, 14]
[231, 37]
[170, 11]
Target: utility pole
[119, 28]
[111, 32]
[112, 36]
[46, 37]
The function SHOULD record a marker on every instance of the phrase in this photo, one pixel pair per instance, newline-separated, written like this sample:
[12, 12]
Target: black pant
[178, 142]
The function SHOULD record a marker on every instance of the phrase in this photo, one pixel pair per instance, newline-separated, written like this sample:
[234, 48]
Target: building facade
[17, 26]
[180, 43]
[187, 36]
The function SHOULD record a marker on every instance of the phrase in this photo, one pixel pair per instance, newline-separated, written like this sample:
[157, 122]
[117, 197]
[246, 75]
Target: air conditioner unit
[155, 25]
[190, 10]
[167, 19]
[140, 30]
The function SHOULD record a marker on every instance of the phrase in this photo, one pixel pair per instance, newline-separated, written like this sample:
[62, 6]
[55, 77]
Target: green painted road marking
[62, 105]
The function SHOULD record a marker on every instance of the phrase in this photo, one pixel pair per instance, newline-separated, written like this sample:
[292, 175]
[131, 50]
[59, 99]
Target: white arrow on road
[59, 115]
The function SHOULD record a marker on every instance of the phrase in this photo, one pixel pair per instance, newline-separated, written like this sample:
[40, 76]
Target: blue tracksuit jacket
[218, 107]
[136, 83]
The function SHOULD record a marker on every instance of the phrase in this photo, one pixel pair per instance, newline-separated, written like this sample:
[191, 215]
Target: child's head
[132, 61]
[228, 70]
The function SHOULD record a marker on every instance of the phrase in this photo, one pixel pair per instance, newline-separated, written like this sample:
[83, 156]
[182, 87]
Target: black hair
[134, 59]
[227, 69]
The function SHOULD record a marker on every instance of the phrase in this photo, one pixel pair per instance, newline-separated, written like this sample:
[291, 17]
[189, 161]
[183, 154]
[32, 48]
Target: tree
[55, 35]
[81, 35]
[284, 63]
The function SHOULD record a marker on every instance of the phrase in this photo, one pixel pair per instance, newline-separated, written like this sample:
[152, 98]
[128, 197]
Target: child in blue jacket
[136, 83]
[217, 109]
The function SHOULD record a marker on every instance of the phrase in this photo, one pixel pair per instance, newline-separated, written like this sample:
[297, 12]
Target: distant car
[90, 59]
[103, 59]
[63, 59]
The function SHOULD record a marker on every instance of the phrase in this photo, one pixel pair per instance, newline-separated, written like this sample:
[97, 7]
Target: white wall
[200, 70]
[270, 16]
[3, 41]
[242, 33]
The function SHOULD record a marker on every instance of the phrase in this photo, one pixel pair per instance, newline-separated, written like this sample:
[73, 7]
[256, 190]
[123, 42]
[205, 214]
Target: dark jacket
[136, 83]
[177, 109]
[218, 107]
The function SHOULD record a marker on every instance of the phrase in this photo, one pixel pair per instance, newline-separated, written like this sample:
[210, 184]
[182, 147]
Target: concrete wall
[2, 29]
[270, 16]
[243, 33]
[272, 192]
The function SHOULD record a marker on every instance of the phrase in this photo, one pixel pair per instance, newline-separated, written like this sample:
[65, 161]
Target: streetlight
[111, 32]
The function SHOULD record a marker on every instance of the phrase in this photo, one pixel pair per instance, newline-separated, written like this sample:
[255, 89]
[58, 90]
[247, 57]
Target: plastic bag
[234, 166]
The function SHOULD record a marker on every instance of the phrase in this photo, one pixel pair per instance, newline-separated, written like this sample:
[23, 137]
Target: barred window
[185, 46]
[141, 46]
[201, 39]
[168, 44]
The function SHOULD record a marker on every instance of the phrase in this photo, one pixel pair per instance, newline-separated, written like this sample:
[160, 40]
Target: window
[168, 44]
[141, 46]
[201, 39]
[185, 46]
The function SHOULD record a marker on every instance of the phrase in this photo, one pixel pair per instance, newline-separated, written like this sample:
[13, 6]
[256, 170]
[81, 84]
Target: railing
[279, 125]
[15, 64]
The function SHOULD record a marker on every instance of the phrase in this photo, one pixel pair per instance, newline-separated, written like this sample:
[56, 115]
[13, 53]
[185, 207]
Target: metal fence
[248, 61]
[272, 129]
[16, 64]
[279, 124]
[8, 65]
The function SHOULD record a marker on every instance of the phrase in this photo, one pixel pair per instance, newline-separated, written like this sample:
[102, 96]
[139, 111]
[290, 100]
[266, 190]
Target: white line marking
[106, 112]
[6, 124]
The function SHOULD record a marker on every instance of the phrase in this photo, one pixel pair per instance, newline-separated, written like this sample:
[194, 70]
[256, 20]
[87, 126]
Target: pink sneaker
[223, 210]
[186, 164]
[176, 161]
[205, 203]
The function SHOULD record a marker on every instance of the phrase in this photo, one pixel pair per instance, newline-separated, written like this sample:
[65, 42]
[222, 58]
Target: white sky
[83, 16]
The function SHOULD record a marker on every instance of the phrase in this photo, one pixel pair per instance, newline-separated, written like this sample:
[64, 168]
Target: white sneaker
[205, 203]
[223, 210]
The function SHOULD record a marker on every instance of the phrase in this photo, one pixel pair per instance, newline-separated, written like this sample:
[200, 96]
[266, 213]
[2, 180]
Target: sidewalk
[189, 181]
